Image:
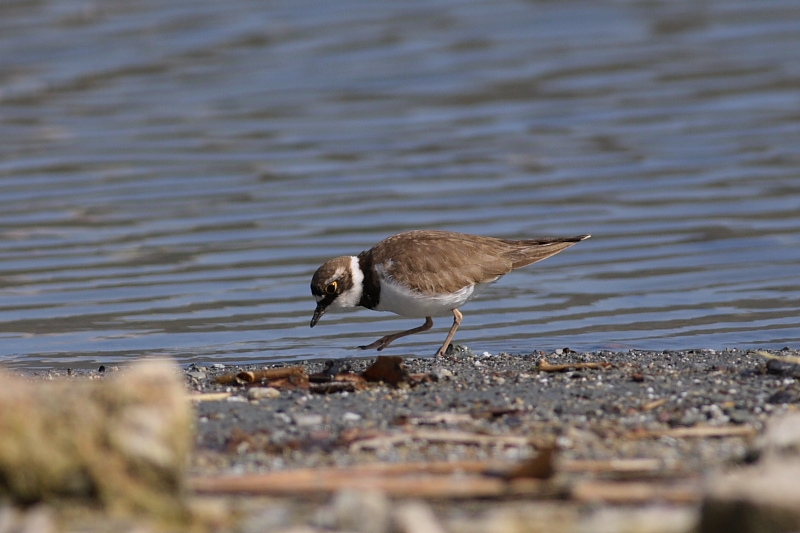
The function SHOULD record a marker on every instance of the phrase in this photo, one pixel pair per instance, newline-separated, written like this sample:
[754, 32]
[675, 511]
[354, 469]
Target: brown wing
[432, 261]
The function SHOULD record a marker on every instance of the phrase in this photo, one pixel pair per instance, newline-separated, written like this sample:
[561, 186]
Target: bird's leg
[457, 316]
[386, 340]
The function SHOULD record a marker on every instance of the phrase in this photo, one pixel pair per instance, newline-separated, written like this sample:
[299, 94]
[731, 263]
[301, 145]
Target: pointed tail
[527, 252]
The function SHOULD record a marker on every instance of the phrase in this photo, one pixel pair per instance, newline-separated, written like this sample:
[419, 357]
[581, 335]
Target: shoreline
[477, 439]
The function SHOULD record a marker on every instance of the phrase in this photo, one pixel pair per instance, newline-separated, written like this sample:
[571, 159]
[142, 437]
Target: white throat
[351, 296]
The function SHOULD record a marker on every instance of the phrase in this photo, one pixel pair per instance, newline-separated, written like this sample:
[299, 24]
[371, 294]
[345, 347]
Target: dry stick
[695, 432]
[654, 404]
[637, 492]
[791, 359]
[460, 479]
[309, 481]
[544, 366]
[271, 373]
[612, 466]
[252, 376]
[209, 397]
[434, 436]
[439, 418]
[404, 469]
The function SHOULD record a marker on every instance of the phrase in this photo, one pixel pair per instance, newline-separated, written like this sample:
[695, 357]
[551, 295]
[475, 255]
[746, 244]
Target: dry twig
[544, 366]
[637, 492]
[694, 432]
[791, 359]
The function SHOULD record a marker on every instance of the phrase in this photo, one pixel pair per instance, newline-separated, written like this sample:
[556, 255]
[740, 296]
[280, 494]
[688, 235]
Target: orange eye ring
[331, 288]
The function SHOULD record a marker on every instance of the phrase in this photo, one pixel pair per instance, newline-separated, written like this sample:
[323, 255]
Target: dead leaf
[540, 467]
[386, 368]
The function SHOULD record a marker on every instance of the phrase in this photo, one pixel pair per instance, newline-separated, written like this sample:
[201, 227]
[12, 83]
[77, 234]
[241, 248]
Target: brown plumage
[435, 261]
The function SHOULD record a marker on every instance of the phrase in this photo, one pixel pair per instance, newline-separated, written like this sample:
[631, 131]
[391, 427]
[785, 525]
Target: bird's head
[334, 285]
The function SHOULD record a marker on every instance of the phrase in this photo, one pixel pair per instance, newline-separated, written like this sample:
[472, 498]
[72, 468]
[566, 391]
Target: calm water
[172, 173]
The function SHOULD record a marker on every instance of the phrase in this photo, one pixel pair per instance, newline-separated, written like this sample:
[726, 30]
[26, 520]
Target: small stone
[688, 419]
[740, 416]
[760, 498]
[782, 368]
[782, 436]
[416, 517]
[271, 518]
[218, 366]
[357, 511]
[263, 393]
[8, 517]
[283, 417]
[653, 518]
[513, 421]
[38, 519]
[351, 417]
[196, 375]
[459, 351]
[441, 373]
[519, 518]
[308, 420]
[235, 399]
[781, 397]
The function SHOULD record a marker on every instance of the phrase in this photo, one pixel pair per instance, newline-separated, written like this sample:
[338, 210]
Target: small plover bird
[423, 274]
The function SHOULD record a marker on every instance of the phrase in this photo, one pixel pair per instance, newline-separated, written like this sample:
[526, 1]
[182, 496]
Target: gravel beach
[616, 410]
[560, 441]
[631, 438]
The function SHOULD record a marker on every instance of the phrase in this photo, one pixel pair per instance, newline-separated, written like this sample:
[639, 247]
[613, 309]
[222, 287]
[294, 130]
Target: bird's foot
[446, 352]
[379, 344]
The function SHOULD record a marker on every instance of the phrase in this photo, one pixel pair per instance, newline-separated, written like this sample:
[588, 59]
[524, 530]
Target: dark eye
[331, 288]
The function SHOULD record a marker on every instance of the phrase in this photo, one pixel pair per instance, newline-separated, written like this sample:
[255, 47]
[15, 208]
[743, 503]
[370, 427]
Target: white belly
[398, 299]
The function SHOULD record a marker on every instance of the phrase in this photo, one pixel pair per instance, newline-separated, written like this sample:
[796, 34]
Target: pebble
[308, 420]
[38, 519]
[271, 518]
[650, 519]
[441, 373]
[351, 417]
[416, 517]
[235, 399]
[741, 416]
[356, 511]
[283, 417]
[263, 393]
[757, 499]
[782, 436]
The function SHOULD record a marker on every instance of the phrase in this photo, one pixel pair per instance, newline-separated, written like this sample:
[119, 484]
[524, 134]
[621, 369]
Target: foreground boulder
[764, 497]
[120, 442]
